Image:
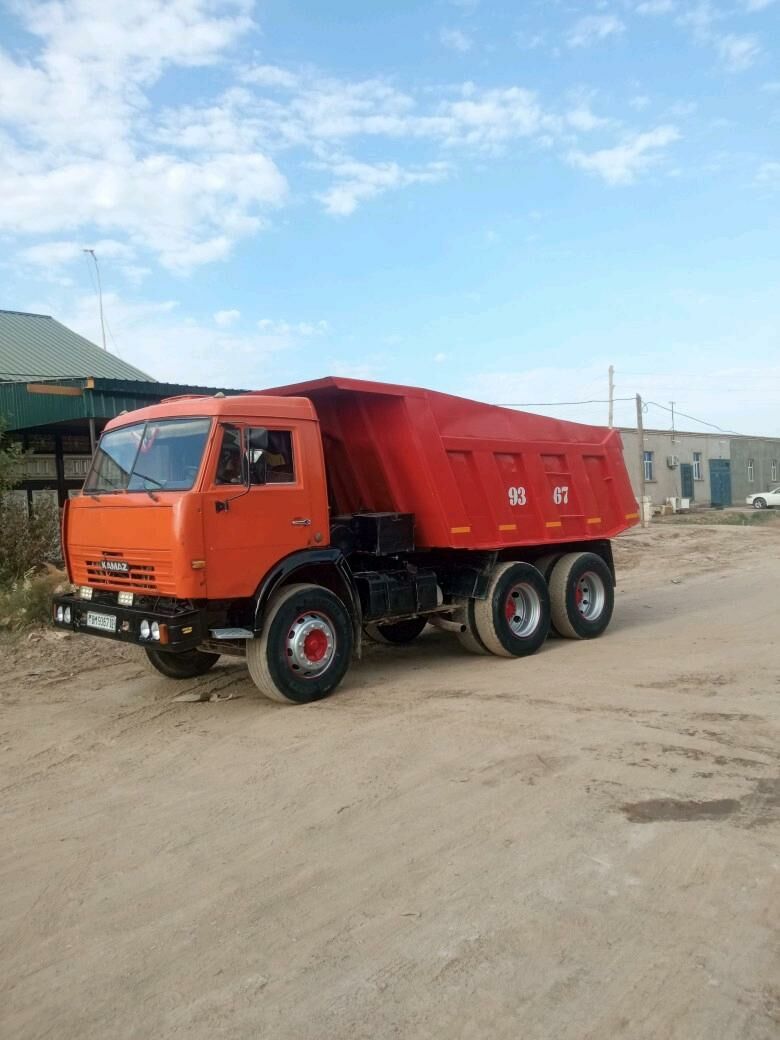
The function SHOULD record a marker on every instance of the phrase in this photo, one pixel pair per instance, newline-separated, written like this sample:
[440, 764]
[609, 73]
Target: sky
[492, 199]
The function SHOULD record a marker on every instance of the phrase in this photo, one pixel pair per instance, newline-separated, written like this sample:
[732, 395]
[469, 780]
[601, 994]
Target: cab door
[248, 527]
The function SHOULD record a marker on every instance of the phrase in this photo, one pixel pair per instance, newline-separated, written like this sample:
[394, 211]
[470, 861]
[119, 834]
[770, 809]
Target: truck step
[231, 633]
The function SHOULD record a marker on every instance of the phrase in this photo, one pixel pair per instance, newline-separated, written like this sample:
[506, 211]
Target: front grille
[147, 573]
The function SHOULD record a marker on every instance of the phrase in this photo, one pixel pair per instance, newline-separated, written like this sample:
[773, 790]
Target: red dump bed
[476, 476]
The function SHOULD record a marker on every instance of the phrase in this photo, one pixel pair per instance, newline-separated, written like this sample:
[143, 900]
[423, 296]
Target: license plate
[106, 622]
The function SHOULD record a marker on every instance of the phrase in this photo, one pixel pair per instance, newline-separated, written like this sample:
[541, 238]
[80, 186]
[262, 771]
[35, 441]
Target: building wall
[737, 449]
[763, 451]
[666, 481]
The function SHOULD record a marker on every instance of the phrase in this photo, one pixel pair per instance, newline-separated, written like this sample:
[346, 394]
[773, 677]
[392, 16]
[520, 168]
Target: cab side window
[276, 446]
[229, 465]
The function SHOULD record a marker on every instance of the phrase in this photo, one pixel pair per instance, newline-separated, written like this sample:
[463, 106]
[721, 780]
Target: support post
[611, 395]
[640, 433]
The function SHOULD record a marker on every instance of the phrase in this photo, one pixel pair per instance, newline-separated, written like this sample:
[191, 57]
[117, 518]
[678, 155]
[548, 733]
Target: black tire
[582, 596]
[544, 564]
[396, 632]
[185, 665]
[277, 659]
[514, 619]
[759, 503]
[470, 639]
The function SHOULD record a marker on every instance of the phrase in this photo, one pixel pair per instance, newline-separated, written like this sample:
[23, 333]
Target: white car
[764, 499]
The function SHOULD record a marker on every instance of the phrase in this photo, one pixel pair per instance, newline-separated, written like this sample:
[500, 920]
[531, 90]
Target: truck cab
[197, 498]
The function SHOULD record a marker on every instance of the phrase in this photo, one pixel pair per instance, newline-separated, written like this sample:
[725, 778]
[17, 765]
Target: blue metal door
[720, 482]
[686, 480]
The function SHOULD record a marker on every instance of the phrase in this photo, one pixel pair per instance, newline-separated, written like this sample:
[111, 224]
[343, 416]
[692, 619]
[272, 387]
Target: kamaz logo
[115, 566]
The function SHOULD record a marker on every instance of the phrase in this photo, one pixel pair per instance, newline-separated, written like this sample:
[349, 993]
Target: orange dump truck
[282, 526]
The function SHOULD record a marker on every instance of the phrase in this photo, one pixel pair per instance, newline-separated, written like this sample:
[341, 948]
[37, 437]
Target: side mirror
[255, 466]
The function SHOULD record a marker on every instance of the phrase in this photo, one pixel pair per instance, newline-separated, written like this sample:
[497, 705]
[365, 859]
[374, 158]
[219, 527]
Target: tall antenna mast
[100, 296]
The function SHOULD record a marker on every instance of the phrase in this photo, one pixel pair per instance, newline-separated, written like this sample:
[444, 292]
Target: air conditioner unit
[672, 461]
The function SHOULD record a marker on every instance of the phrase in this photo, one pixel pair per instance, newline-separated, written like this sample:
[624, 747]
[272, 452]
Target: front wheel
[514, 619]
[185, 665]
[759, 503]
[305, 647]
[396, 632]
[582, 595]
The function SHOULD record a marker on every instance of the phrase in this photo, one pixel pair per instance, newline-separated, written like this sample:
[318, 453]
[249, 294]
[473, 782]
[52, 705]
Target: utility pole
[100, 295]
[672, 404]
[611, 395]
[640, 433]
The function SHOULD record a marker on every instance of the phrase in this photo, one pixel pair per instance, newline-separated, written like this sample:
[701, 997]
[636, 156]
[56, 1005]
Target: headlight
[144, 630]
[85, 592]
[155, 631]
[60, 614]
[124, 599]
[66, 615]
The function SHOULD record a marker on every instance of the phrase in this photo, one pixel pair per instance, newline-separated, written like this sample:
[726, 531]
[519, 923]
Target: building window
[751, 471]
[697, 472]
[774, 470]
[648, 464]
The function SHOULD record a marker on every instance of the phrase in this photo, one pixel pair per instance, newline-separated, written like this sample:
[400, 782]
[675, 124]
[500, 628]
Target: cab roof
[238, 406]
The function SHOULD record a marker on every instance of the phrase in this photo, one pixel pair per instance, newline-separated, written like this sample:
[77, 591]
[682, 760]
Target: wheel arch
[326, 567]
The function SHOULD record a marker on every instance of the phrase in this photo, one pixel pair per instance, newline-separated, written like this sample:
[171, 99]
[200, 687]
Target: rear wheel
[759, 503]
[545, 564]
[582, 595]
[396, 632]
[514, 619]
[469, 639]
[184, 665]
[305, 647]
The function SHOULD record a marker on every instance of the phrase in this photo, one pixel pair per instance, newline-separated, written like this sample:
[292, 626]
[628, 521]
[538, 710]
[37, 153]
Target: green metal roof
[35, 346]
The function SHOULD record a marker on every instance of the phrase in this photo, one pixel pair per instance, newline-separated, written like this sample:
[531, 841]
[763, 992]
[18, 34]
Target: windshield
[153, 456]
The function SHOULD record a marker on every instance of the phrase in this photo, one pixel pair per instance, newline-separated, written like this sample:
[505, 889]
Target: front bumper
[184, 629]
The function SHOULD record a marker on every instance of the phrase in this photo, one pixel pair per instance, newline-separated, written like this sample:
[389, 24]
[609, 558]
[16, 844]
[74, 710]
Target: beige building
[706, 468]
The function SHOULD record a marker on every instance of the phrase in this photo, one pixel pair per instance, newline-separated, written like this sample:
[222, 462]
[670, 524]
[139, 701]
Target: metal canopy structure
[57, 392]
[30, 405]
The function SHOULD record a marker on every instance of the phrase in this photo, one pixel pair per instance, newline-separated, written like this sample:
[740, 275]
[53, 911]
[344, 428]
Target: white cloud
[226, 318]
[441, 357]
[455, 40]
[593, 28]
[583, 118]
[60, 253]
[757, 5]
[270, 76]
[623, 163]
[652, 7]
[160, 340]
[487, 118]
[357, 181]
[769, 173]
[79, 146]
[270, 326]
[186, 212]
[738, 52]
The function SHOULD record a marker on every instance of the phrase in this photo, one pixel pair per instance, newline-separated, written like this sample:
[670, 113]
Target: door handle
[301, 522]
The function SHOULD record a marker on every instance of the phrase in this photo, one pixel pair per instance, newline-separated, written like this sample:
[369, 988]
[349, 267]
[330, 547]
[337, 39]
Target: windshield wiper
[152, 480]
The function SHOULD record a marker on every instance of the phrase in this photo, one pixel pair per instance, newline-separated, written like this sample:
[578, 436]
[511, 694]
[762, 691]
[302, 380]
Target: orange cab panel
[131, 542]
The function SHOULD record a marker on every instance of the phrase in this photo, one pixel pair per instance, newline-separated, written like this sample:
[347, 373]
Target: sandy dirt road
[584, 844]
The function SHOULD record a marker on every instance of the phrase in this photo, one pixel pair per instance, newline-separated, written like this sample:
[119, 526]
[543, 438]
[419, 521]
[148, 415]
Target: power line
[693, 418]
[556, 404]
